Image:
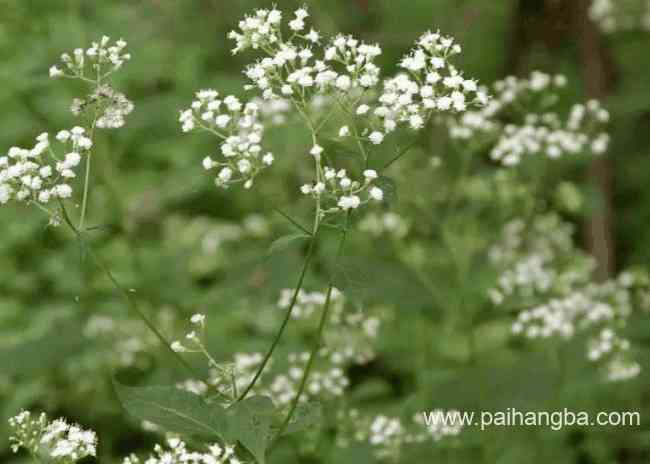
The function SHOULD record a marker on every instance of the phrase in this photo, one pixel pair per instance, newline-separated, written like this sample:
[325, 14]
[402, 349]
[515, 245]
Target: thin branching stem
[292, 220]
[319, 338]
[84, 200]
[303, 272]
[400, 153]
[124, 292]
[287, 317]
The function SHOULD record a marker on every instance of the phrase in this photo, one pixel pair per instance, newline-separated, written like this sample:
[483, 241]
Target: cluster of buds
[57, 441]
[238, 127]
[40, 175]
[95, 63]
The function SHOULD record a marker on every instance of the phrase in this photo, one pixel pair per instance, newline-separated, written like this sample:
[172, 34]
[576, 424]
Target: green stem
[291, 220]
[125, 293]
[310, 363]
[305, 266]
[287, 317]
[401, 153]
[454, 194]
[317, 343]
[84, 201]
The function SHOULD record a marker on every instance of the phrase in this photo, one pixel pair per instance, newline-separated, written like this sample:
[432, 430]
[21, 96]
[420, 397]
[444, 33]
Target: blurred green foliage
[443, 345]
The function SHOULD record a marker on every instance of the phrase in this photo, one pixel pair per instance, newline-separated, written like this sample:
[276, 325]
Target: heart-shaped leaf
[249, 422]
[173, 409]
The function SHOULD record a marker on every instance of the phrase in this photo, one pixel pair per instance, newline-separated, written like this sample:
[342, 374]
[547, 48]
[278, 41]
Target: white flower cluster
[389, 435]
[176, 452]
[621, 15]
[431, 84]
[384, 224]
[240, 130]
[344, 192]
[95, 63]
[441, 423]
[107, 106]
[605, 343]
[351, 335]
[348, 341]
[291, 68]
[307, 303]
[57, 442]
[542, 271]
[514, 136]
[110, 107]
[275, 111]
[620, 369]
[325, 382]
[321, 77]
[38, 174]
[537, 259]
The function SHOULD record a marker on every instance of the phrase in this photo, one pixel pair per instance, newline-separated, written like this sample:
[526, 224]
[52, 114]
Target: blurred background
[184, 246]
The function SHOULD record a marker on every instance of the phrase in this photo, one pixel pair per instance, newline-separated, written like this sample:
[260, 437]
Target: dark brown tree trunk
[554, 24]
[598, 75]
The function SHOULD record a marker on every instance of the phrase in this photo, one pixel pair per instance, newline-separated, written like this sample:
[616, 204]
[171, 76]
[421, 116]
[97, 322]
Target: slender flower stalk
[84, 201]
[124, 293]
[287, 317]
[319, 337]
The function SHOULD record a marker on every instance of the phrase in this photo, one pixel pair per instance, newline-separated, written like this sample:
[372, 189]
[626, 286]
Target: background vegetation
[184, 246]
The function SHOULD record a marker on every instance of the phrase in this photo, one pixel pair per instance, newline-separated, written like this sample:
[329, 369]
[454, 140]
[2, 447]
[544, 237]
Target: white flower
[55, 72]
[313, 36]
[370, 174]
[362, 109]
[344, 131]
[376, 137]
[349, 202]
[177, 347]
[316, 151]
[301, 13]
[225, 174]
[319, 188]
[244, 166]
[297, 25]
[197, 319]
[72, 159]
[221, 121]
[343, 82]
[208, 163]
[63, 191]
[376, 193]
[268, 159]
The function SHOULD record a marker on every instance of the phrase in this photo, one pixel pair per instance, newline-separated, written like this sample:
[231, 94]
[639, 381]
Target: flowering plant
[350, 119]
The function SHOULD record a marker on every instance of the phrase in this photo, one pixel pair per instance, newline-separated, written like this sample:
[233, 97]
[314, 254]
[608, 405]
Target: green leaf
[249, 422]
[37, 352]
[306, 415]
[173, 409]
[286, 241]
